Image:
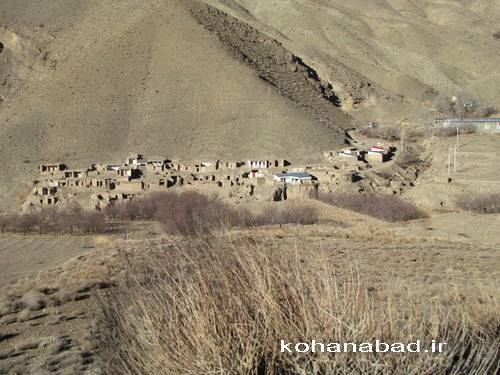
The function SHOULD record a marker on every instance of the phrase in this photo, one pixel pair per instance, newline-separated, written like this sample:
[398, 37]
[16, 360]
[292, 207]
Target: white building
[135, 161]
[293, 178]
[256, 164]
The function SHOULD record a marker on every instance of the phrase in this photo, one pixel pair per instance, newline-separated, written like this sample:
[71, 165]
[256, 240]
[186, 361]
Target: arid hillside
[389, 60]
[85, 80]
[82, 81]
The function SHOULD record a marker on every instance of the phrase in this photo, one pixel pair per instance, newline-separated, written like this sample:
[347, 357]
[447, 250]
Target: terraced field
[26, 256]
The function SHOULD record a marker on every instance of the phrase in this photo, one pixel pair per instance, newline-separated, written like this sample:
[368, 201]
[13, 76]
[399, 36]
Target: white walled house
[256, 164]
[293, 178]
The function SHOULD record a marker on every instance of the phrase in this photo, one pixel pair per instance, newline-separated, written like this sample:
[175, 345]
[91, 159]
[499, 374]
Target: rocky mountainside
[388, 60]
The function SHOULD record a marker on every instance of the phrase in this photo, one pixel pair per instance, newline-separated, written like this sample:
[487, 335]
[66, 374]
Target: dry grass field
[54, 321]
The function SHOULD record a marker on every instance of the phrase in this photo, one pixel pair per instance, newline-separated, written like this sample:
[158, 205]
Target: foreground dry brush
[71, 219]
[382, 206]
[488, 203]
[193, 213]
[213, 306]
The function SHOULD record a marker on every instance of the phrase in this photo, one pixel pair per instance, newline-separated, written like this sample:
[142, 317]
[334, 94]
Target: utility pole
[457, 137]
[452, 159]
[403, 140]
[449, 160]
[455, 157]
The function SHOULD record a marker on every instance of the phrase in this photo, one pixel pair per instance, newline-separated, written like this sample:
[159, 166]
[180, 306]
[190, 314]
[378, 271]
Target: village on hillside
[368, 169]
[103, 184]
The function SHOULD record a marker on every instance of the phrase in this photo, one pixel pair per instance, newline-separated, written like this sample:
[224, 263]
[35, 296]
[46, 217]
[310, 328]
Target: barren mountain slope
[389, 58]
[95, 80]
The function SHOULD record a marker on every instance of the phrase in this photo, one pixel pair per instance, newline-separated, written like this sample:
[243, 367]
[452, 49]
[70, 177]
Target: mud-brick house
[195, 168]
[47, 182]
[74, 183]
[101, 183]
[48, 200]
[155, 165]
[51, 169]
[230, 164]
[294, 178]
[45, 190]
[98, 167]
[156, 184]
[155, 169]
[156, 161]
[74, 173]
[134, 186]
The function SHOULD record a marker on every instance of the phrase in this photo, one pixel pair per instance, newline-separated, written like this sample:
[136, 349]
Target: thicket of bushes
[192, 213]
[197, 307]
[382, 206]
[484, 203]
[72, 220]
[452, 131]
[186, 213]
[463, 106]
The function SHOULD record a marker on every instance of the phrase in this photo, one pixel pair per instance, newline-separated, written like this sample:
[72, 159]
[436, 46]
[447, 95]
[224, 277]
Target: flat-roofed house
[135, 161]
[256, 164]
[378, 153]
[294, 178]
[54, 168]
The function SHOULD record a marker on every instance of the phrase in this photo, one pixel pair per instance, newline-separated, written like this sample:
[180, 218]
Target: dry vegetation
[484, 203]
[464, 106]
[186, 213]
[192, 213]
[73, 220]
[386, 133]
[452, 131]
[206, 307]
[383, 206]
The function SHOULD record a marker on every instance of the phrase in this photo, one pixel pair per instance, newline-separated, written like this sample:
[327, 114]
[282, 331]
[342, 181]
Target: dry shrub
[72, 220]
[199, 307]
[390, 133]
[382, 206]
[289, 214]
[140, 208]
[191, 213]
[407, 158]
[484, 203]
[463, 105]
[452, 131]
